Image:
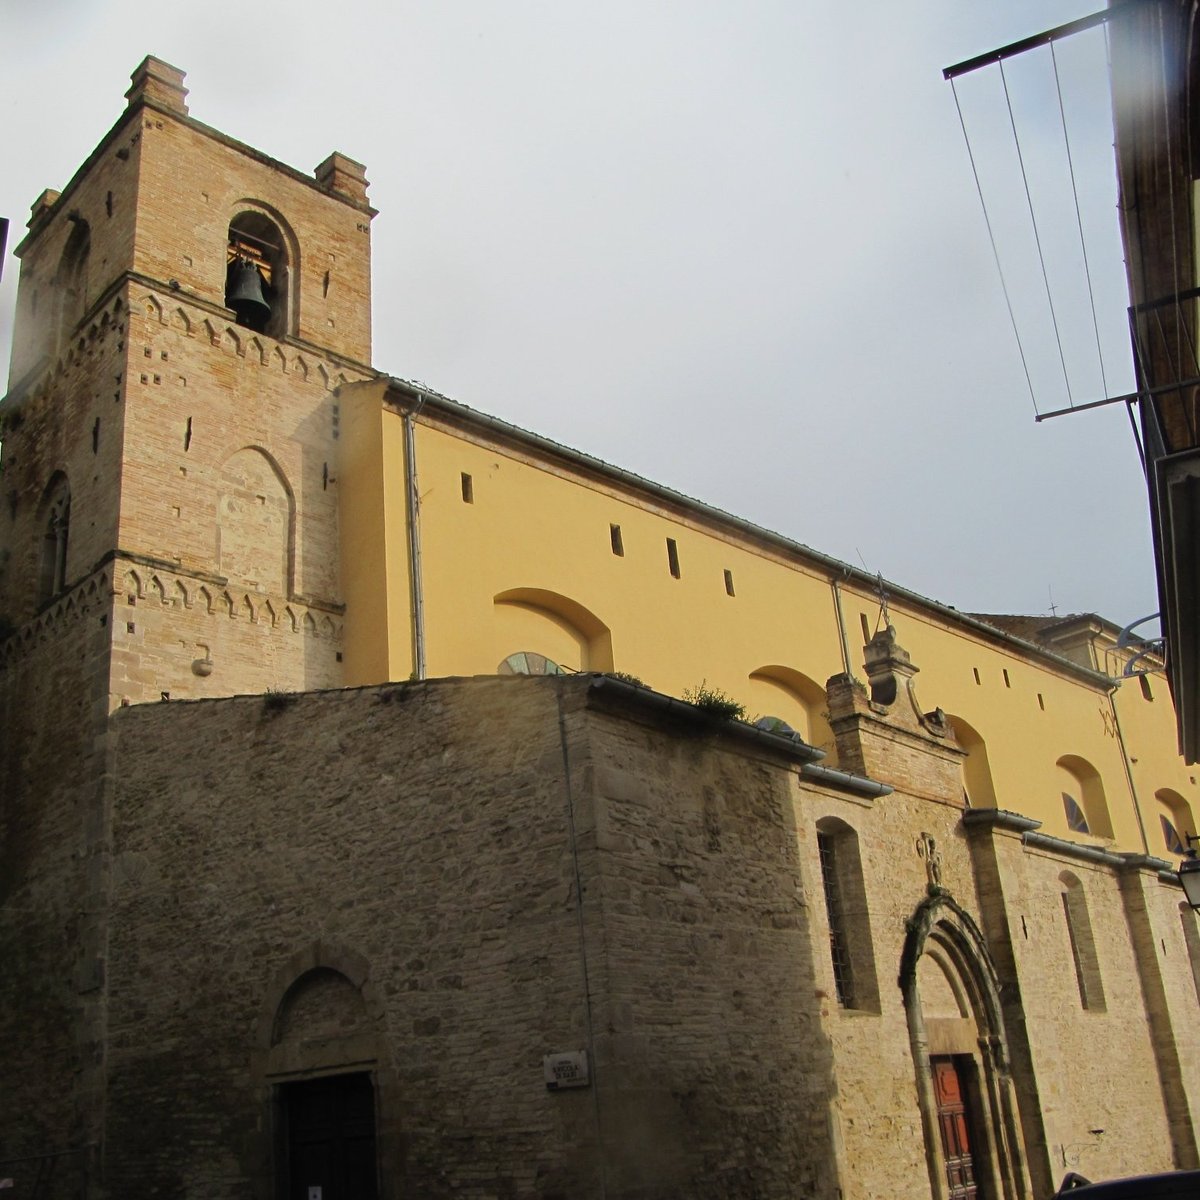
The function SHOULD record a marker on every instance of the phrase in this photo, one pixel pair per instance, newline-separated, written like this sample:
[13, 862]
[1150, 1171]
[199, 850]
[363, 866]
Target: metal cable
[1036, 236]
[987, 220]
[1079, 220]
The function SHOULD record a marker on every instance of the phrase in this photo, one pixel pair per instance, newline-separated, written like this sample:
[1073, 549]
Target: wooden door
[954, 1122]
[330, 1125]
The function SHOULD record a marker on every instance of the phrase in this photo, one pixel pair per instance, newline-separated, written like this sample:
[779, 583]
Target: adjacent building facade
[354, 836]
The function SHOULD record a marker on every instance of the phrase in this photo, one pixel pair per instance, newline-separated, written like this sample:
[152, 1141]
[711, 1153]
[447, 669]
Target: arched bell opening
[257, 274]
[964, 1084]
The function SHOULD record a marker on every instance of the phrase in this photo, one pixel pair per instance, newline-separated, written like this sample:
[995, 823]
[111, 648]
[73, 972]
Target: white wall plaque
[566, 1070]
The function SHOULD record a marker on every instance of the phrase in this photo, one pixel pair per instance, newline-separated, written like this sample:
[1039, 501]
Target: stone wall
[53, 832]
[431, 841]
[388, 880]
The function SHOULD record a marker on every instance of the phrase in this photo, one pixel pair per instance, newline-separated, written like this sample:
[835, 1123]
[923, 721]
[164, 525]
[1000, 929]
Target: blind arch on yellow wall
[552, 625]
[784, 692]
[978, 788]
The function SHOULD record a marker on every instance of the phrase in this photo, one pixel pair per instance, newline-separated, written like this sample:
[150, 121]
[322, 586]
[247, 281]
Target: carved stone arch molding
[955, 1022]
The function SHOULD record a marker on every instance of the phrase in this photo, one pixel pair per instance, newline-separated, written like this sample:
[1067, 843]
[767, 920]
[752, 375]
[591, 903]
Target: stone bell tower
[187, 309]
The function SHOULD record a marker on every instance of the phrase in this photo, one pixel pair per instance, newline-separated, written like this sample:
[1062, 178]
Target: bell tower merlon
[158, 83]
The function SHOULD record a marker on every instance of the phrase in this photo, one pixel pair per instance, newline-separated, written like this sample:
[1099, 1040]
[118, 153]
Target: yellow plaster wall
[529, 528]
[1025, 737]
[372, 531]
[528, 564]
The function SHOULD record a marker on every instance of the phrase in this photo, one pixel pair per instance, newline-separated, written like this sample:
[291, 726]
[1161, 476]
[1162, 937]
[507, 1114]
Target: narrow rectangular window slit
[468, 489]
[1041, 702]
[673, 557]
[614, 537]
[187, 435]
[1007, 681]
[866, 627]
[729, 583]
[1147, 694]
[975, 672]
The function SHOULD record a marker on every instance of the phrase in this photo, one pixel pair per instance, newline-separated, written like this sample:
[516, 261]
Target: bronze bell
[244, 294]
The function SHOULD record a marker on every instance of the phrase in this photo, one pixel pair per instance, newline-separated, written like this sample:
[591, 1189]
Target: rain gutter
[798, 751]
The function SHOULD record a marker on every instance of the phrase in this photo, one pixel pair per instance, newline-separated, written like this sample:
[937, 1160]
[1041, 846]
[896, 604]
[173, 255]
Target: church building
[396, 803]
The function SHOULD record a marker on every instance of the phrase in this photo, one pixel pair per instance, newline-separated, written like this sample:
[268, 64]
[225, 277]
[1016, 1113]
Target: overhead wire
[987, 220]
[1062, 112]
[1037, 237]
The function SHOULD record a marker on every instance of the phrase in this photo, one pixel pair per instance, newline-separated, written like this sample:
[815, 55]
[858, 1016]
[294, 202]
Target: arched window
[1175, 820]
[528, 662]
[1085, 809]
[256, 274]
[1083, 944]
[1076, 820]
[850, 948]
[56, 524]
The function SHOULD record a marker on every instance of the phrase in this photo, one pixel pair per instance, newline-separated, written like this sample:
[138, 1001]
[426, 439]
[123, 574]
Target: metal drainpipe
[414, 539]
[841, 624]
[1137, 808]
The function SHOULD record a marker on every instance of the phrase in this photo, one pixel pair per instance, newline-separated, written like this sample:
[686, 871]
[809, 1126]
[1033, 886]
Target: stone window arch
[260, 259]
[1083, 944]
[55, 526]
[1085, 809]
[851, 951]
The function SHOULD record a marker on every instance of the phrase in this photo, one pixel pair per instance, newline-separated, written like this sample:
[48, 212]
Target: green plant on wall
[626, 677]
[715, 701]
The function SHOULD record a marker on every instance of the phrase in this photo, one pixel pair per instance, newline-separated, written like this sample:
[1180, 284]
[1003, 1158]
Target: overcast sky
[735, 247]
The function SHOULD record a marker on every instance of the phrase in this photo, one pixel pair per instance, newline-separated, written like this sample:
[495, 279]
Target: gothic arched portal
[960, 1056]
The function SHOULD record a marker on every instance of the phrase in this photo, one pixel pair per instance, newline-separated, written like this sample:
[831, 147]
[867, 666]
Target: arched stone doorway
[322, 1069]
[969, 1115]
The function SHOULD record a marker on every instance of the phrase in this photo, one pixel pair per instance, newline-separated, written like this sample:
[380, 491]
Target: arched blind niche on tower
[55, 526]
